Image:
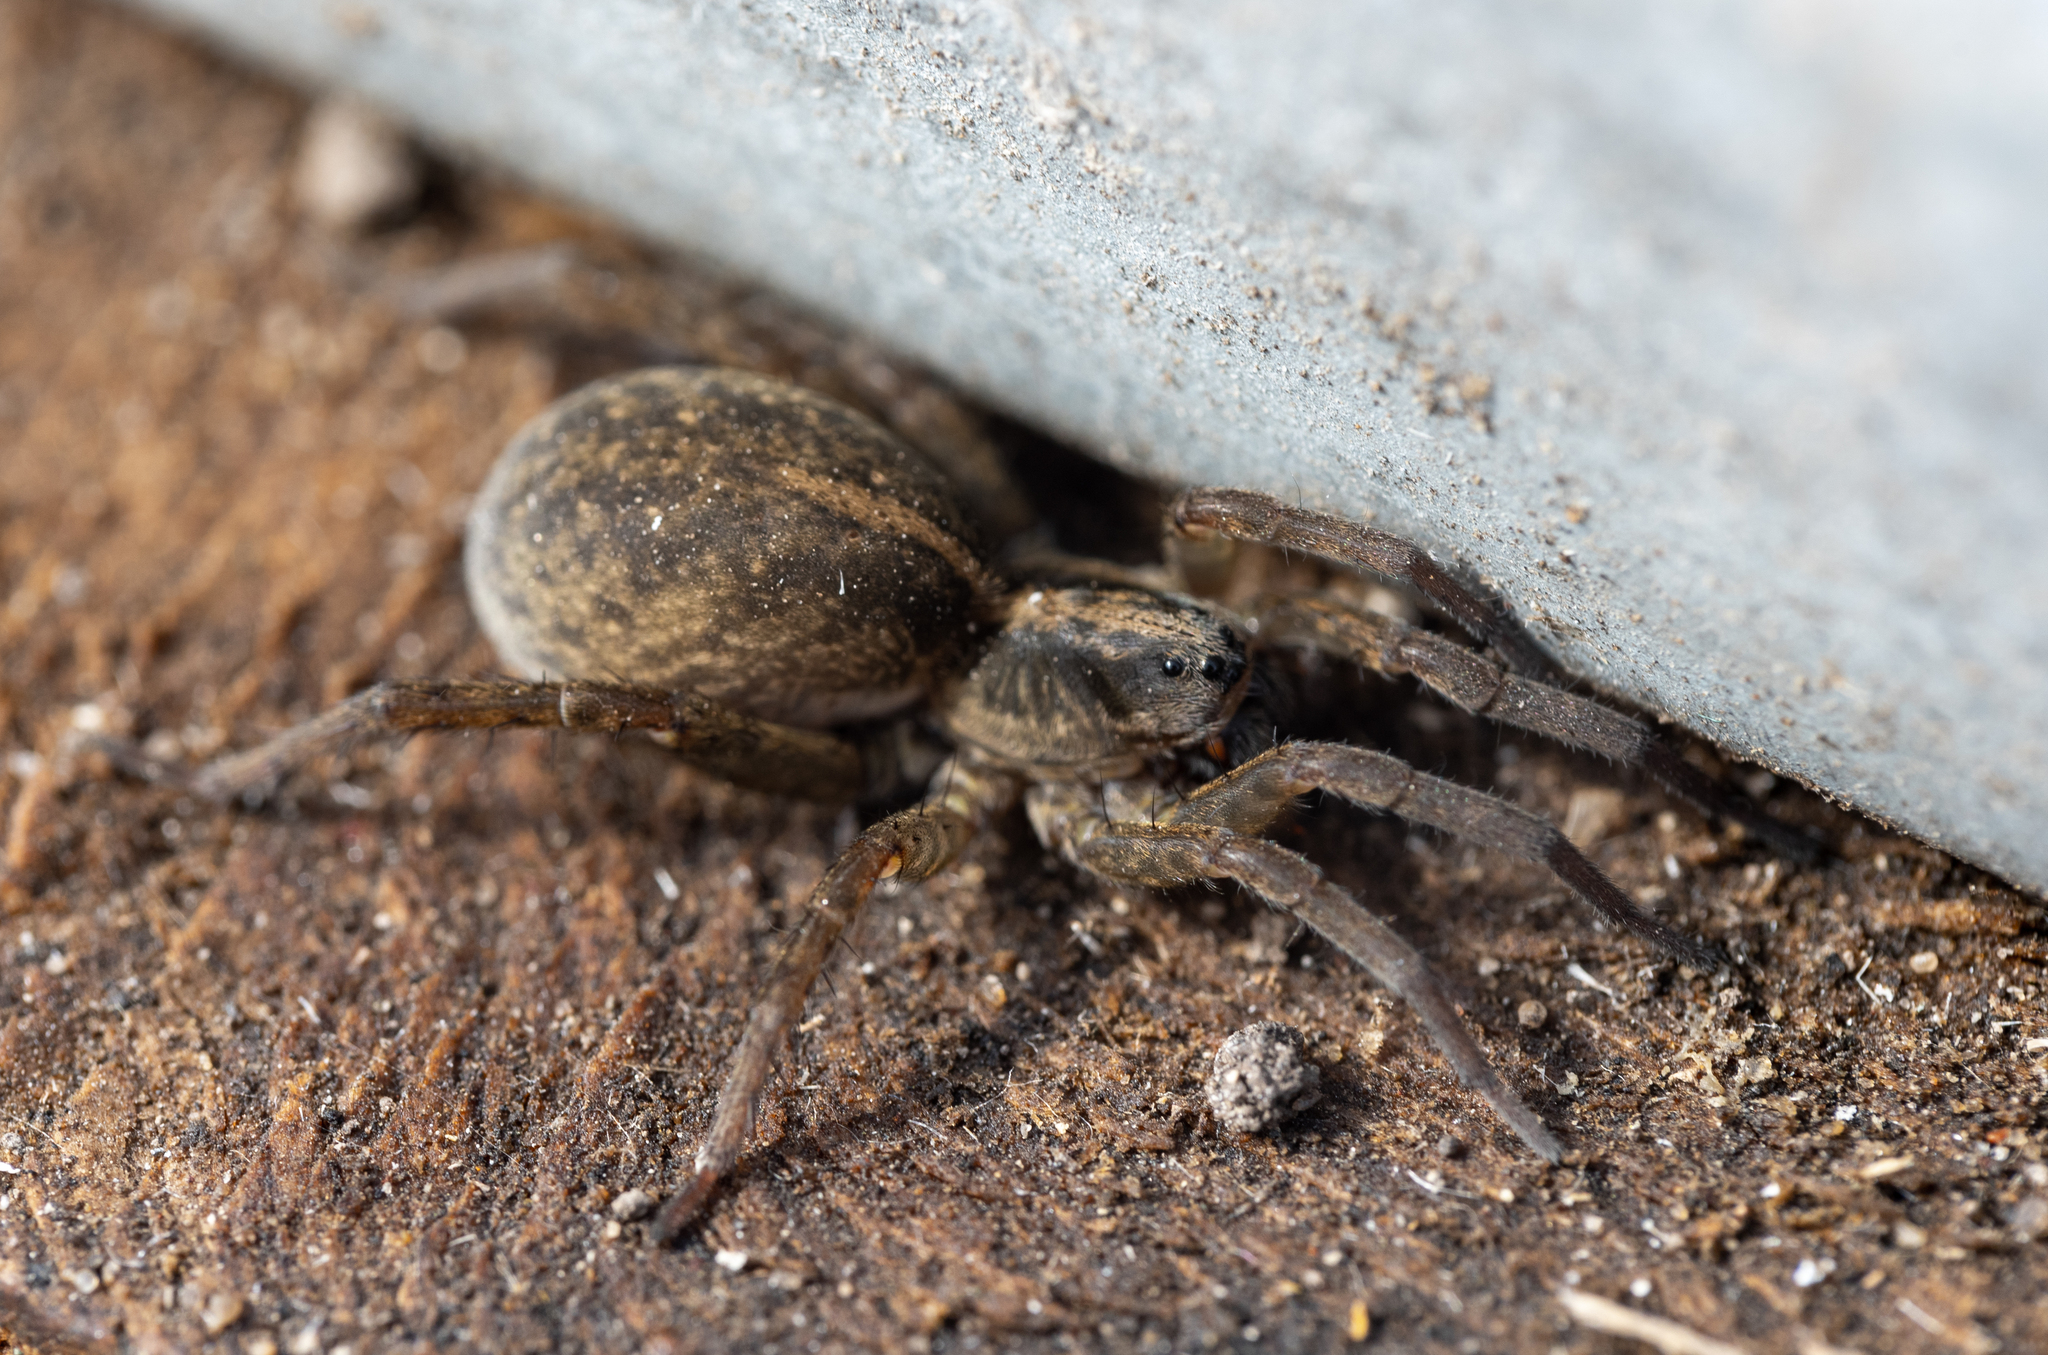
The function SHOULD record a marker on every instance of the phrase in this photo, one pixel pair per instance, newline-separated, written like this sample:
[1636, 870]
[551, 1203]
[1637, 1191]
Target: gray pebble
[632, 1205]
[1260, 1078]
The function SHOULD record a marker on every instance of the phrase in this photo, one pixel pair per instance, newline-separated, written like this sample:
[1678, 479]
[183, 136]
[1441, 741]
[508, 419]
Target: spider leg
[737, 747]
[909, 845]
[1253, 795]
[1179, 853]
[1251, 516]
[1469, 680]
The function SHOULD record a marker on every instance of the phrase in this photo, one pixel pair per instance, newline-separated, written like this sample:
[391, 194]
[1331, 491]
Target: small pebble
[222, 1311]
[354, 167]
[1260, 1078]
[1532, 1014]
[2029, 1220]
[1926, 962]
[441, 350]
[634, 1204]
[1595, 814]
[734, 1261]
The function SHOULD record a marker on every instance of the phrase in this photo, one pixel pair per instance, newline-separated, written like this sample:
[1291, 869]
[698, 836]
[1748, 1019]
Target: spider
[793, 600]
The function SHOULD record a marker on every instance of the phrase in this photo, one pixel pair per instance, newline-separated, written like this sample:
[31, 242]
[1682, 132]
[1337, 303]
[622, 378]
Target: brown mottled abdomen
[728, 534]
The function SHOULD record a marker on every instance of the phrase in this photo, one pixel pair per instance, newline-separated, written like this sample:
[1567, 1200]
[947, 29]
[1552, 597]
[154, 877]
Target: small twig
[1435, 1189]
[1578, 971]
[1966, 1336]
[1921, 1318]
[1600, 1314]
[1426, 1184]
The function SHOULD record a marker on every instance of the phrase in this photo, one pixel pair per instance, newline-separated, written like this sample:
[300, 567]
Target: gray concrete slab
[1714, 337]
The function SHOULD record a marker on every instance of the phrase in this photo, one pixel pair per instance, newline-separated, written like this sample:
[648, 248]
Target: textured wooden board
[368, 1071]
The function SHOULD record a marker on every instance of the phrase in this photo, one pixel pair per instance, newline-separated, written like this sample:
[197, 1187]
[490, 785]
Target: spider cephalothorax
[1092, 682]
[763, 579]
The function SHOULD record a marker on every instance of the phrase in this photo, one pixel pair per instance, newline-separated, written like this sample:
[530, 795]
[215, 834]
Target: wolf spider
[793, 600]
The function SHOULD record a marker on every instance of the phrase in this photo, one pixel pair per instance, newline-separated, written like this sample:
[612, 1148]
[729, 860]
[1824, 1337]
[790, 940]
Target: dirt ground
[369, 1067]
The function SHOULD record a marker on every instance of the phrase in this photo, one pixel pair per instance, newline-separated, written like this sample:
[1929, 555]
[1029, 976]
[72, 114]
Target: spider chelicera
[778, 589]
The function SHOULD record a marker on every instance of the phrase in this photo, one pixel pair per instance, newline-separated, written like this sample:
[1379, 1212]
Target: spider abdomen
[728, 534]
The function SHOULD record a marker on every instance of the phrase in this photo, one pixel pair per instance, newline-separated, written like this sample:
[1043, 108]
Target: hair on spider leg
[968, 688]
[852, 950]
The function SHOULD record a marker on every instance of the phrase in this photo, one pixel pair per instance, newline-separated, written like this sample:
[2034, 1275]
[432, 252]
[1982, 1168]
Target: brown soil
[368, 1068]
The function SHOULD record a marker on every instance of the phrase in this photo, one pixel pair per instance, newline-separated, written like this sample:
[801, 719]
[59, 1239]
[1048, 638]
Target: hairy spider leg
[739, 748]
[1167, 854]
[910, 845]
[1473, 682]
[1251, 516]
[1255, 794]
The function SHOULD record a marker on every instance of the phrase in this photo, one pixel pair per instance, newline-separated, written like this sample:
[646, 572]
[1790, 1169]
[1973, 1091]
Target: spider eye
[1212, 668]
[1173, 667]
